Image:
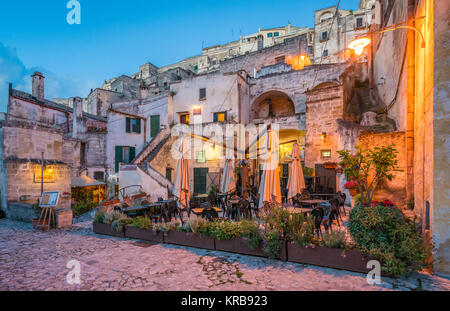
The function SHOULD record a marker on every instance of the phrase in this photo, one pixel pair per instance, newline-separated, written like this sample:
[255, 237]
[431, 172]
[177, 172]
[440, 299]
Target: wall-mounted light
[358, 45]
[323, 135]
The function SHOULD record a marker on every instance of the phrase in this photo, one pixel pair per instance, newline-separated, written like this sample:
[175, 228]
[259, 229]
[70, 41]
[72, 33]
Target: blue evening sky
[115, 37]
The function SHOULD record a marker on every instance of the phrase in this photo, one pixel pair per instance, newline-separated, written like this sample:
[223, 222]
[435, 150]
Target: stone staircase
[148, 152]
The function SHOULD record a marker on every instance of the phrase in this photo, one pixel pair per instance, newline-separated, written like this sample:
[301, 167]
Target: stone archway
[272, 104]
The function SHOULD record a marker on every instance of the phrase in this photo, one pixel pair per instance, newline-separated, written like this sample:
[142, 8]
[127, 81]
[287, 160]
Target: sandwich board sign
[49, 199]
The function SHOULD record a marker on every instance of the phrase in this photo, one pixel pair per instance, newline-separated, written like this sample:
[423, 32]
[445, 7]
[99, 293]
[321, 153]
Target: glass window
[324, 35]
[201, 156]
[202, 95]
[359, 22]
[220, 116]
[325, 153]
[269, 35]
[280, 59]
[184, 118]
[325, 53]
[276, 34]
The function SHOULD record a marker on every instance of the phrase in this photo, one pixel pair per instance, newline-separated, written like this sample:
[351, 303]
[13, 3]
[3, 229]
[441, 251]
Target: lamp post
[362, 41]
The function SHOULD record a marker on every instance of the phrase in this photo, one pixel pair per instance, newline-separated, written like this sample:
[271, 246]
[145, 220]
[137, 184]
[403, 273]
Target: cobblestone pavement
[35, 260]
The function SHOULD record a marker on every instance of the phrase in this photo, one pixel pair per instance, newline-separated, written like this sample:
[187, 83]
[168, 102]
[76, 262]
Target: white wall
[117, 136]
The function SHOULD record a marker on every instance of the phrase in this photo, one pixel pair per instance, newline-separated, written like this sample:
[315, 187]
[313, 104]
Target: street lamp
[360, 43]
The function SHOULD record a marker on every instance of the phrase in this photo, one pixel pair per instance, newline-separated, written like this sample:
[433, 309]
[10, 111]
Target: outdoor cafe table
[298, 210]
[313, 203]
[322, 195]
[202, 197]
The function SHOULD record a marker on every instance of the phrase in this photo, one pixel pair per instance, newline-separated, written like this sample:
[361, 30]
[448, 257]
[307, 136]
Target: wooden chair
[335, 214]
[318, 215]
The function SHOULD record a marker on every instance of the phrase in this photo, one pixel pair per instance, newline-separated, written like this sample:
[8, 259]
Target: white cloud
[12, 70]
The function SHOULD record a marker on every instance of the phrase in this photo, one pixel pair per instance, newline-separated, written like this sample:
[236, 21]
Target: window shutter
[118, 159]
[138, 130]
[132, 154]
[215, 117]
[127, 125]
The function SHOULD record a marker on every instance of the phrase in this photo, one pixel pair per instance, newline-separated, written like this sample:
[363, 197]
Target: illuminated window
[280, 59]
[201, 156]
[220, 116]
[184, 118]
[325, 153]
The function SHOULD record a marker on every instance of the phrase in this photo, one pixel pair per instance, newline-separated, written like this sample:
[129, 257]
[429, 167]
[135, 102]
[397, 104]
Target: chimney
[143, 90]
[76, 114]
[38, 85]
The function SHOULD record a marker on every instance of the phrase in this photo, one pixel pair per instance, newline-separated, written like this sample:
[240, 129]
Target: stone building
[335, 29]
[72, 143]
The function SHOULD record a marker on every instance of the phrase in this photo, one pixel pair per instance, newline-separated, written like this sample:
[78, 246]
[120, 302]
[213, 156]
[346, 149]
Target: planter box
[240, 246]
[106, 230]
[329, 257]
[189, 239]
[143, 234]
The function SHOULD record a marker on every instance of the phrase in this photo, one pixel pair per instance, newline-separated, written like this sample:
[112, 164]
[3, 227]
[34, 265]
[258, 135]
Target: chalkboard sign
[49, 199]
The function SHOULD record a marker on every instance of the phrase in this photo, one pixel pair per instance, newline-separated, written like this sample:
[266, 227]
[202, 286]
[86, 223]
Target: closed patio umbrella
[296, 182]
[228, 183]
[269, 188]
[181, 187]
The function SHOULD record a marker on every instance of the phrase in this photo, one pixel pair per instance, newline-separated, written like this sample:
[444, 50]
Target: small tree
[377, 163]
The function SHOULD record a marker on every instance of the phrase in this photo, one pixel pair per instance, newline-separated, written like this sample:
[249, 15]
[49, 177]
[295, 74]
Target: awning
[85, 181]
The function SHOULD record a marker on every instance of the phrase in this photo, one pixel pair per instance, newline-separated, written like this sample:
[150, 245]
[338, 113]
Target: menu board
[49, 199]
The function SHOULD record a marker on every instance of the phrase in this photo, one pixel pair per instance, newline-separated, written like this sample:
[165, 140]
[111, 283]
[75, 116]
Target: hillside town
[367, 79]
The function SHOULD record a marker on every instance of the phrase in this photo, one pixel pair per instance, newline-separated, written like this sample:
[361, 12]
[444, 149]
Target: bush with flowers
[381, 229]
[368, 167]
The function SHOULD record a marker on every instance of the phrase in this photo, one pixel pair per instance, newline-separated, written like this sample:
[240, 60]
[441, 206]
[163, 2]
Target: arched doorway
[272, 104]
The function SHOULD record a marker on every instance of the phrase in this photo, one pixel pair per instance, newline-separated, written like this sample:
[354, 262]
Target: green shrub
[119, 224]
[225, 230]
[334, 239]
[272, 243]
[142, 222]
[383, 232]
[301, 229]
[82, 208]
[99, 217]
[110, 217]
[251, 232]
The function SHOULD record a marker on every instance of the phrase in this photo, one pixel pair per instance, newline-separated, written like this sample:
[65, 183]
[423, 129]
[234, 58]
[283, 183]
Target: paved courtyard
[35, 260]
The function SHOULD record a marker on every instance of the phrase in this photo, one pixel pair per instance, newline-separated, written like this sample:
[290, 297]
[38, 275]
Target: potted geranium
[352, 187]
[330, 165]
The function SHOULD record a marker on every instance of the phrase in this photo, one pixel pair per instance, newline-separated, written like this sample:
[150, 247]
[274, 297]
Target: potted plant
[339, 170]
[352, 187]
[330, 165]
[141, 228]
[242, 237]
[110, 223]
[184, 235]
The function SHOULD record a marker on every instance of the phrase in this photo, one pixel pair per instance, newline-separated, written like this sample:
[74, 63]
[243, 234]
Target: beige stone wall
[394, 190]
[28, 141]
[324, 106]
[437, 119]
[21, 182]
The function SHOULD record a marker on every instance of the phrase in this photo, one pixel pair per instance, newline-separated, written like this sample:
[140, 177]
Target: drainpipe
[74, 119]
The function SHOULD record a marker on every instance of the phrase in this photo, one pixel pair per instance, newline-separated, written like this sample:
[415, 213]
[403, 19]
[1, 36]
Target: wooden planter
[143, 234]
[330, 166]
[189, 239]
[240, 246]
[106, 230]
[351, 260]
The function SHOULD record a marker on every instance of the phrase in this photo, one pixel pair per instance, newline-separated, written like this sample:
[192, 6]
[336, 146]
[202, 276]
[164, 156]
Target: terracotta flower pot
[353, 191]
